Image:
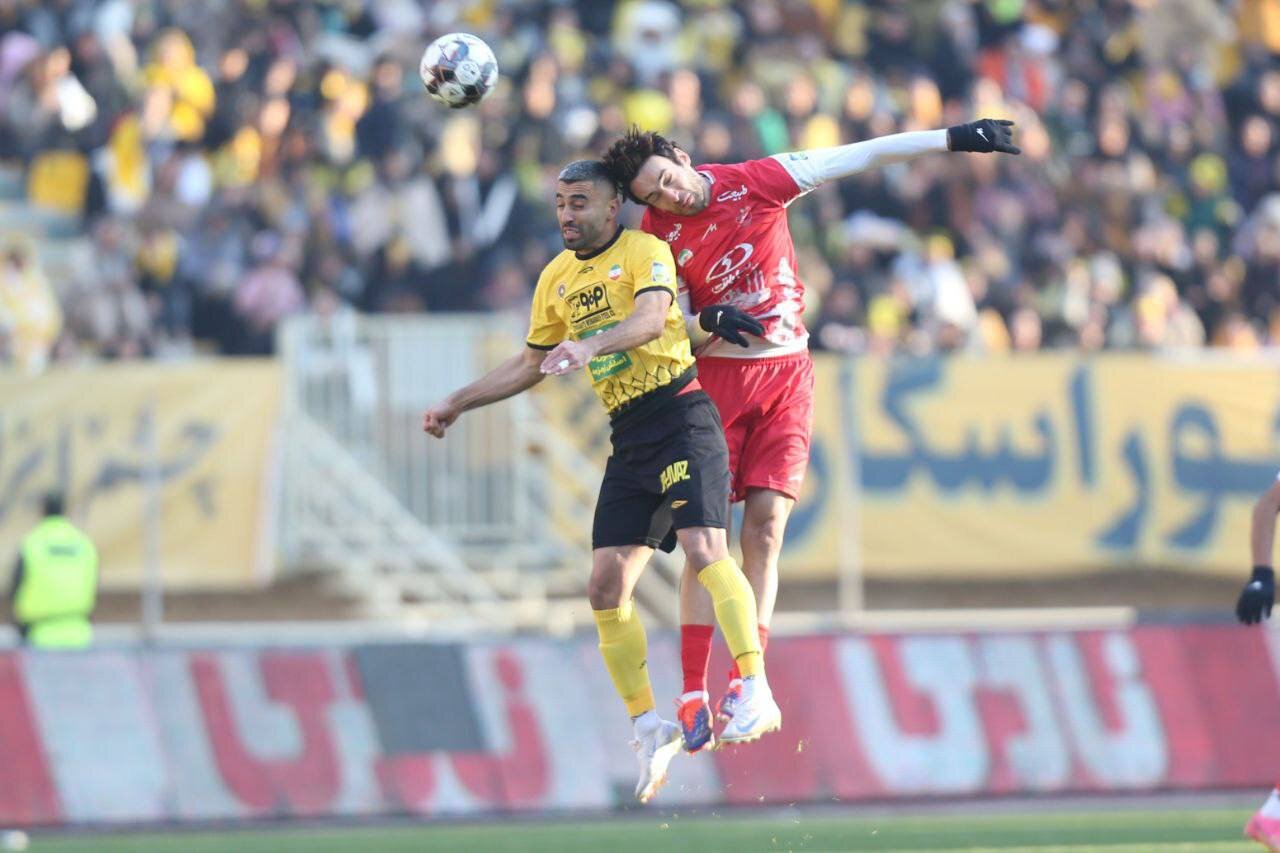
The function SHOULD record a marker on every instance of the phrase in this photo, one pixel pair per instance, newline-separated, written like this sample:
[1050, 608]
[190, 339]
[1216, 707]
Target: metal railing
[490, 525]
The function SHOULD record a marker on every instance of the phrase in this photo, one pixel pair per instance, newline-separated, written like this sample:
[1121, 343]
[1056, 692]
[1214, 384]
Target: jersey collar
[606, 247]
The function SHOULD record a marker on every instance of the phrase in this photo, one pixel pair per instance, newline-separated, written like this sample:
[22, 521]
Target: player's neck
[588, 254]
[706, 192]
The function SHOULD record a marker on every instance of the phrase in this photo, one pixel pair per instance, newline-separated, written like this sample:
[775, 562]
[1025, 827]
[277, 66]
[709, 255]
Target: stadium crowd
[234, 163]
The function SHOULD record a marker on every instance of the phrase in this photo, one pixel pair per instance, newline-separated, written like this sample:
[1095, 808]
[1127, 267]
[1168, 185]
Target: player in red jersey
[1255, 603]
[736, 264]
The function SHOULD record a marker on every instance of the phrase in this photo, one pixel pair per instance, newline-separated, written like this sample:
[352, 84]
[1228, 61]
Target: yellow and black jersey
[578, 297]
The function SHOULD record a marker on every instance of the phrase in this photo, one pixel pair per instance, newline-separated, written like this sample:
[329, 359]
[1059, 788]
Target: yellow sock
[735, 605]
[625, 650]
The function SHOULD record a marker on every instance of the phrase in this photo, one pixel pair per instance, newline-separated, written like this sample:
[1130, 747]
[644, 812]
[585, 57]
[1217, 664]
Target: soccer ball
[458, 69]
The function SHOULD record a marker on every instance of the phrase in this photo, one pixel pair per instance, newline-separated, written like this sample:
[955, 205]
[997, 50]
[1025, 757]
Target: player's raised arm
[812, 168]
[1258, 595]
[516, 374]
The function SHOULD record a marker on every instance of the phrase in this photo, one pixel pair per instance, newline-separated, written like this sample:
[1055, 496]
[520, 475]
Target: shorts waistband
[647, 405]
[802, 355]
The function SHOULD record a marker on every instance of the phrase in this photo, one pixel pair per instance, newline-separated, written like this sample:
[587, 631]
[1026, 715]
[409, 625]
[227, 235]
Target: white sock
[647, 722]
[695, 694]
[1271, 808]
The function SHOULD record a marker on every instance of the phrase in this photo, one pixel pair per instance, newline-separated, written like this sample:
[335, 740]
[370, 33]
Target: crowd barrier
[134, 735]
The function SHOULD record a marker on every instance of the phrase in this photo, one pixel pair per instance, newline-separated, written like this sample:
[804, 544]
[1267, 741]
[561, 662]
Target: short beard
[586, 237]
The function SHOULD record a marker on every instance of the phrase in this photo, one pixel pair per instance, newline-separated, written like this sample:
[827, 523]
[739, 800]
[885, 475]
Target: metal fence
[494, 517]
[367, 380]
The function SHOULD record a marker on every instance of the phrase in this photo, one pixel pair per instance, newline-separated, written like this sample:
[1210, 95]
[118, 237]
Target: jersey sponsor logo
[659, 273]
[588, 304]
[683, 258]
[585, 270]
[674, 473]
[726, 271]
[615, 272]
[604, 366]
[734, 195]
[674, 232]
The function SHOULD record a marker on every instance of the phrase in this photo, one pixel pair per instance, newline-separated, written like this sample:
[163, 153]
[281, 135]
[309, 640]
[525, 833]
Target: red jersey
[738, 250]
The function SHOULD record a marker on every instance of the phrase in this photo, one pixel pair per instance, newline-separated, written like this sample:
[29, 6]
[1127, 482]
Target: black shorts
[667, 472]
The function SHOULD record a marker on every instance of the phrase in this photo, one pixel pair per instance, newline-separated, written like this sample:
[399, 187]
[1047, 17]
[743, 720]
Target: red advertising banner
[457, 729]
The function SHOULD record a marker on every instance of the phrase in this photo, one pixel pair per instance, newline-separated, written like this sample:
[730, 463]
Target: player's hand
[567, 357]
[438, 418]
[983, 136]
[729, 323]
[1257, 597]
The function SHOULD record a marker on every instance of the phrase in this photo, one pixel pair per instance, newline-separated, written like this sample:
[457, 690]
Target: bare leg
[763, 523]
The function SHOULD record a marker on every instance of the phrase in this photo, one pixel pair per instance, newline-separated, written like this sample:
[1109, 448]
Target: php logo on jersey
[615, 272]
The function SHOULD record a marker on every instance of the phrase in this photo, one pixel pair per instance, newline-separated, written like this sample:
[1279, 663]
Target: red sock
[695, 651]
[763, 630]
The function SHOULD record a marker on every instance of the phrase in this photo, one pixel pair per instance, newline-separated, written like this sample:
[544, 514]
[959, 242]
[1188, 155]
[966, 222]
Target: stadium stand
[181, 177]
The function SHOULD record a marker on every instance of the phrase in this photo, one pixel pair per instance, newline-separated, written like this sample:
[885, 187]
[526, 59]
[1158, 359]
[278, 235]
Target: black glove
[729, 323]
[983, 136]
[1257, 596]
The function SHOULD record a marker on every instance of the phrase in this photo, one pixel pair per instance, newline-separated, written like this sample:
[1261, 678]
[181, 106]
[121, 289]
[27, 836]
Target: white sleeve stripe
[810, 169]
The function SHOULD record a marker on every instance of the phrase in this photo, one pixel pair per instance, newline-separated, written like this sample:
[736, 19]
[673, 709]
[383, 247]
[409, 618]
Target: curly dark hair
[628, 154]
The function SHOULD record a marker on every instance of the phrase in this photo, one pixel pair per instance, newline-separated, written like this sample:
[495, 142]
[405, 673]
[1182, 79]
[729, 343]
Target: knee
[604, 587]
[703, 546]
[764, 532]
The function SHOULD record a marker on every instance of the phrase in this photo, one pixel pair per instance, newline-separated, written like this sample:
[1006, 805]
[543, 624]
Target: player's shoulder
[557, 267]
[642, 247]
[735, 181]
[736, 171]
[633, 239]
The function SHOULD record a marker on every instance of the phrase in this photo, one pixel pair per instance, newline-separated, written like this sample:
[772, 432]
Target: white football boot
[754, 715]
[655, 747]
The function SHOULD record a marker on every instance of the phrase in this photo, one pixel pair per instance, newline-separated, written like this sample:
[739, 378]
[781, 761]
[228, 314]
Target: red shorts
[766, 405]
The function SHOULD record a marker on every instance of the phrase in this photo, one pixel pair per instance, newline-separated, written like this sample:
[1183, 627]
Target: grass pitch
[1173, 829]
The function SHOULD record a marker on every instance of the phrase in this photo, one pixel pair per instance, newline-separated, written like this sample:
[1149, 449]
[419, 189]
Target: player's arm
[1258, 595]
[811, 169]
[644, 324]
[692, 321]
[516, 374]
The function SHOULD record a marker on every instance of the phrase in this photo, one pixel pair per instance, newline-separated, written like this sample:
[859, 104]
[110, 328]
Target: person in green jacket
[55, 583]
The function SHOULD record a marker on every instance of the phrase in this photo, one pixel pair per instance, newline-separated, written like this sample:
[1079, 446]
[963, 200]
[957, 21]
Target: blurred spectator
[30, 317]
[236, 163]
[267, 294]
[106, 308]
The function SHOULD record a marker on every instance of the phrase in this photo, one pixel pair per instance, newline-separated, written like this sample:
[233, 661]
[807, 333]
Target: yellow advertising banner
[1048, 464]
[102, 435]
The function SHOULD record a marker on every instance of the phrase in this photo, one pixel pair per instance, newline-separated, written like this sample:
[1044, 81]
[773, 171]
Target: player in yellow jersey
[607, 303]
